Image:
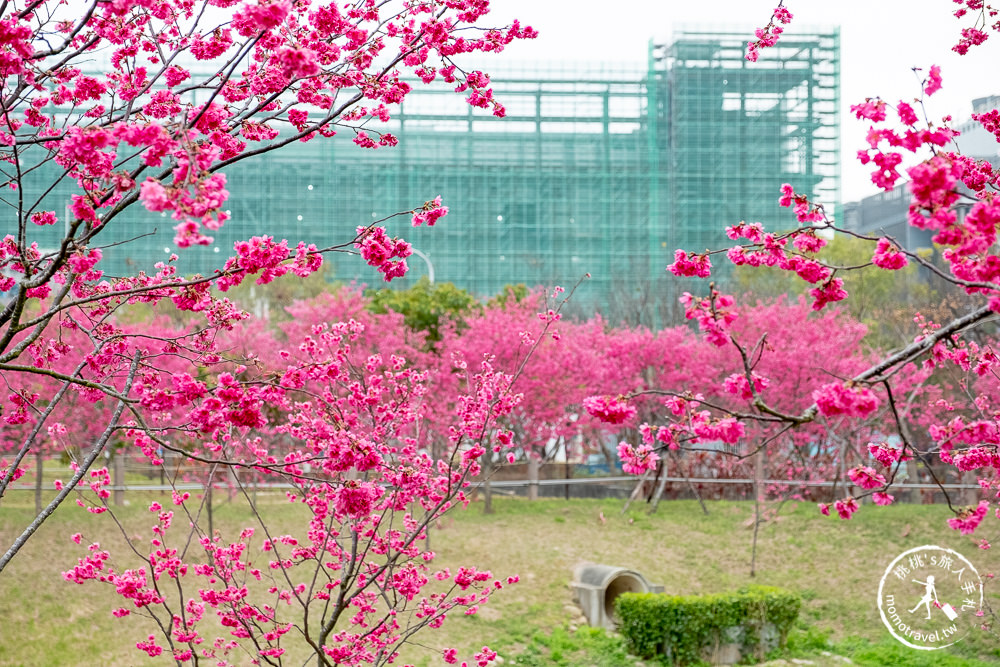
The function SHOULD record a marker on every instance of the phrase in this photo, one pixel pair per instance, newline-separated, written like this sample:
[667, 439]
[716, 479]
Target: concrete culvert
[595, 588]
[626, 582]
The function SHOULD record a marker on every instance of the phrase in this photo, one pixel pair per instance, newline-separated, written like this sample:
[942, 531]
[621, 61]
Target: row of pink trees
[559, 363]
[557, 371]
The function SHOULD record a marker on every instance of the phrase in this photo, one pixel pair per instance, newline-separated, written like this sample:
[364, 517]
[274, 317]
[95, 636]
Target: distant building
[594, 170]
[885, 214]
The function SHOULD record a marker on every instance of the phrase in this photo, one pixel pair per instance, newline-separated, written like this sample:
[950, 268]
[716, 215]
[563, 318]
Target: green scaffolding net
[599, 170]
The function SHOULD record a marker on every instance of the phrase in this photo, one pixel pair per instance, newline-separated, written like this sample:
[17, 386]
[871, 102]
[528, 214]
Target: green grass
[563, 648]
[834, 564]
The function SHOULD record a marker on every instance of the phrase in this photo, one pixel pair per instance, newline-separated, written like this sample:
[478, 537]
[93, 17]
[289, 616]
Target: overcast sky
[881, 41]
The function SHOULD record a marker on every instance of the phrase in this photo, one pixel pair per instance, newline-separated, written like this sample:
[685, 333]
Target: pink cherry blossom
[637, 460]
[967, 521]
[846, 507]
[887, 256]
[835, 399]
[866, 477]
[933, 80]
[609, 409]
[882, 498]
[431, 212]
[696, 265]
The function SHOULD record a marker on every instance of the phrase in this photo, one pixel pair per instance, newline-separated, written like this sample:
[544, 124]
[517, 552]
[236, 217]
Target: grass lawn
[835, 565]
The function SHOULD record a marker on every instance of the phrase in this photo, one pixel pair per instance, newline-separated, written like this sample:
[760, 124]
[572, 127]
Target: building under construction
[594, 170]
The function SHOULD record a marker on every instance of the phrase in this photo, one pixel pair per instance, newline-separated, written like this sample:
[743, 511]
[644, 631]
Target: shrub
[684, 627]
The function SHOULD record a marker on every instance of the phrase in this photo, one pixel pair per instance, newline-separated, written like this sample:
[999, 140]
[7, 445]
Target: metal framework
[736, 130]
[599, 171]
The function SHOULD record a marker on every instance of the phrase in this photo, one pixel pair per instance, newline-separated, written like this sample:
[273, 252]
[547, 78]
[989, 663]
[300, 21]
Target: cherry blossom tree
[676, 386]
[108, 105]
[338, 430]
[522, 336]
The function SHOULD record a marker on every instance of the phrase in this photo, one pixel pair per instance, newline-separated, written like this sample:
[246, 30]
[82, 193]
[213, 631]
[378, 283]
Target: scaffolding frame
[594, 170]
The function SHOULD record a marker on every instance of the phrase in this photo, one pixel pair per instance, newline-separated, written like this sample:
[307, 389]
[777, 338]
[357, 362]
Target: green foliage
[510, 293]
[427, 307]
[808, 639]
[269, 301]
[684, 626]
[883, 300]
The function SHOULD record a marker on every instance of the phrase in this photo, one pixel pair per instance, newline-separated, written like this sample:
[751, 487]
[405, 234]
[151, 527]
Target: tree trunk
[256, 483]
[487, 472]
[912, 473]
[533, 468]
[208, 503]
[758, 478]
[637, 491]
[119, 479]
[658, 492]
[233, 482]
[970, 496]
[39, 461]
[913, 477]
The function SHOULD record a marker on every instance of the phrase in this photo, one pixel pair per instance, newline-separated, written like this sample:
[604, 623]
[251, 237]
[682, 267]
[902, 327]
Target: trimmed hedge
[684, 627]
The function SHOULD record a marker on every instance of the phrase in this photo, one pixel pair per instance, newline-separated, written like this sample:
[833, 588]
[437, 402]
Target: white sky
[881, 40]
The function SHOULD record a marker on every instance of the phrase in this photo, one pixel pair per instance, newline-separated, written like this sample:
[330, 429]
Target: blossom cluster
[934, 186]
[738, 385]
[886, 454]
[768, 35]
[888, 256]
[429, 213]
[967, 522]
[694, 266]
[975, 35]
[866, 477]
[609, 409]
[837, 398]
[715, 315]
[792, 251]
[637, 460]
[385, 254]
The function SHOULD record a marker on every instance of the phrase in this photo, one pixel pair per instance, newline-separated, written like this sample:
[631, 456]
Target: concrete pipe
[595, 588]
